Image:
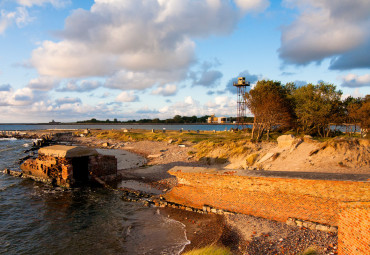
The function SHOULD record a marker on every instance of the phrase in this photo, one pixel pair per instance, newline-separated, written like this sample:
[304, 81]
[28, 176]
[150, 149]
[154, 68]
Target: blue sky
[131, 59]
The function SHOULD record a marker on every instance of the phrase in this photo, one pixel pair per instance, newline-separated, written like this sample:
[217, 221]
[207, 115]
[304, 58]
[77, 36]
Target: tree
[359, 113]
[178, 119]
[316, 106]
[364, 116]
[271, 107]
[350, 106]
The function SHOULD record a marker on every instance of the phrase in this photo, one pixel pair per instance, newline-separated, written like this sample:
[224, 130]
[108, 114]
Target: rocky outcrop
[285, 141]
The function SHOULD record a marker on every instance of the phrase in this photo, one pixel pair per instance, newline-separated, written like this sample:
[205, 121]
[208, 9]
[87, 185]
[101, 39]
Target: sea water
[39, 219]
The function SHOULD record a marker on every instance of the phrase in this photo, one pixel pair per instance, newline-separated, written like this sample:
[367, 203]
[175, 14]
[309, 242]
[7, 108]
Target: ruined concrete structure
[70, 166]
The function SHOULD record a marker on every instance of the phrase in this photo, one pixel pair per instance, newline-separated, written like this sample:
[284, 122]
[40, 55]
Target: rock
[323, 227]
[182, 145]
[105, 144]
[155, 156]
[266, 157]
[290, 222]
[206, 208]
[299, 223]
[170, 141]
[285, 140]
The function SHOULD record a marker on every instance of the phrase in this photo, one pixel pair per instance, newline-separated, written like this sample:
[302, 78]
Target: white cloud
[68, 100]
[206, 76]
[70, 59]
[66, 109]
[23, 96]
[5, 87]
[20, 17]
[252, 5]
[356, 81]
[325, 29]
[127, 96]
[81, 86]
[220, 105]
[55, 3]
[44, 83]
[167, 90]
[127, 40]
[142, 80]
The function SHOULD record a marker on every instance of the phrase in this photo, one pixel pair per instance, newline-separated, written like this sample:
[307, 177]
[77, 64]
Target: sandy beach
[143, 166]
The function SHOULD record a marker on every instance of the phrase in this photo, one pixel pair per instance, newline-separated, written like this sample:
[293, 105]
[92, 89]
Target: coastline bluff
[69, 166]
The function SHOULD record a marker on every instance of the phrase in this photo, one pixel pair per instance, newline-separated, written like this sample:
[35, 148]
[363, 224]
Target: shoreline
[264, 236]
[219, 229]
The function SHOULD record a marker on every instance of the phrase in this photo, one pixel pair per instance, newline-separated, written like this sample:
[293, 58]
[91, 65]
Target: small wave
[177, 247]
[8, 139]
[7, 187]
[6, 149]
[26, 145]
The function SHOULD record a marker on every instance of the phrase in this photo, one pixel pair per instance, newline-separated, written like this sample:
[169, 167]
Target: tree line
[308, 109]
[175, 119]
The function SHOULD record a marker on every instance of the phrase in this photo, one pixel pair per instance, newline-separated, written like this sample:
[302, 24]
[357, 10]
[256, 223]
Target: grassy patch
[251, 159]
[210, 250]
[310, 251]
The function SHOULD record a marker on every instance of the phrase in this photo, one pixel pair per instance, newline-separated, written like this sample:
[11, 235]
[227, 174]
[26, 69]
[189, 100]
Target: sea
[39, 219]
[193, 127]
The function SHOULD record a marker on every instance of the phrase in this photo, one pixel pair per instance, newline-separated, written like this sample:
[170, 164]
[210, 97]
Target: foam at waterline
[172, 221]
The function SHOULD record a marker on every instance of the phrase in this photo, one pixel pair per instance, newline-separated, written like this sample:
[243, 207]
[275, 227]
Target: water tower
[241, 86]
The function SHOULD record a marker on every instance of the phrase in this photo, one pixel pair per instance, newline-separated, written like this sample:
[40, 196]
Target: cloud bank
[356, 81]
[338, 30]
[138, 44]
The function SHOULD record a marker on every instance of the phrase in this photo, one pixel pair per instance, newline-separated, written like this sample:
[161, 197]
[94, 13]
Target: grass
[209, 250]
[221, 145]
[310, 251]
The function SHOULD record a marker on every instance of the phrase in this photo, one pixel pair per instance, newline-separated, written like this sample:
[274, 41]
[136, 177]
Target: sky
[69, 60]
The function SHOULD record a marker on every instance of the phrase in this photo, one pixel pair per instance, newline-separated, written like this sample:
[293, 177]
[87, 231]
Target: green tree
[316, 106]
[349, 116]
[359, 113]
[178, 119]
[269, 103]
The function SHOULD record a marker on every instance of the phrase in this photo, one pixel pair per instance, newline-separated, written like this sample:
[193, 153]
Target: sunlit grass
[209, 250]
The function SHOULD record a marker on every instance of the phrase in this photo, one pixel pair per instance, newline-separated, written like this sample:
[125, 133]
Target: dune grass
[310, 251]
[209, 250]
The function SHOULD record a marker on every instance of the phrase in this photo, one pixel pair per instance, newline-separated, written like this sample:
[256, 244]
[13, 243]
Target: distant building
[54, 122]
[220, 120]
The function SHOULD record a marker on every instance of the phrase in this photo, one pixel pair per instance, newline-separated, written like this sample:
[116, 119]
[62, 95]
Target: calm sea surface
[102, 126]
[39, 219]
